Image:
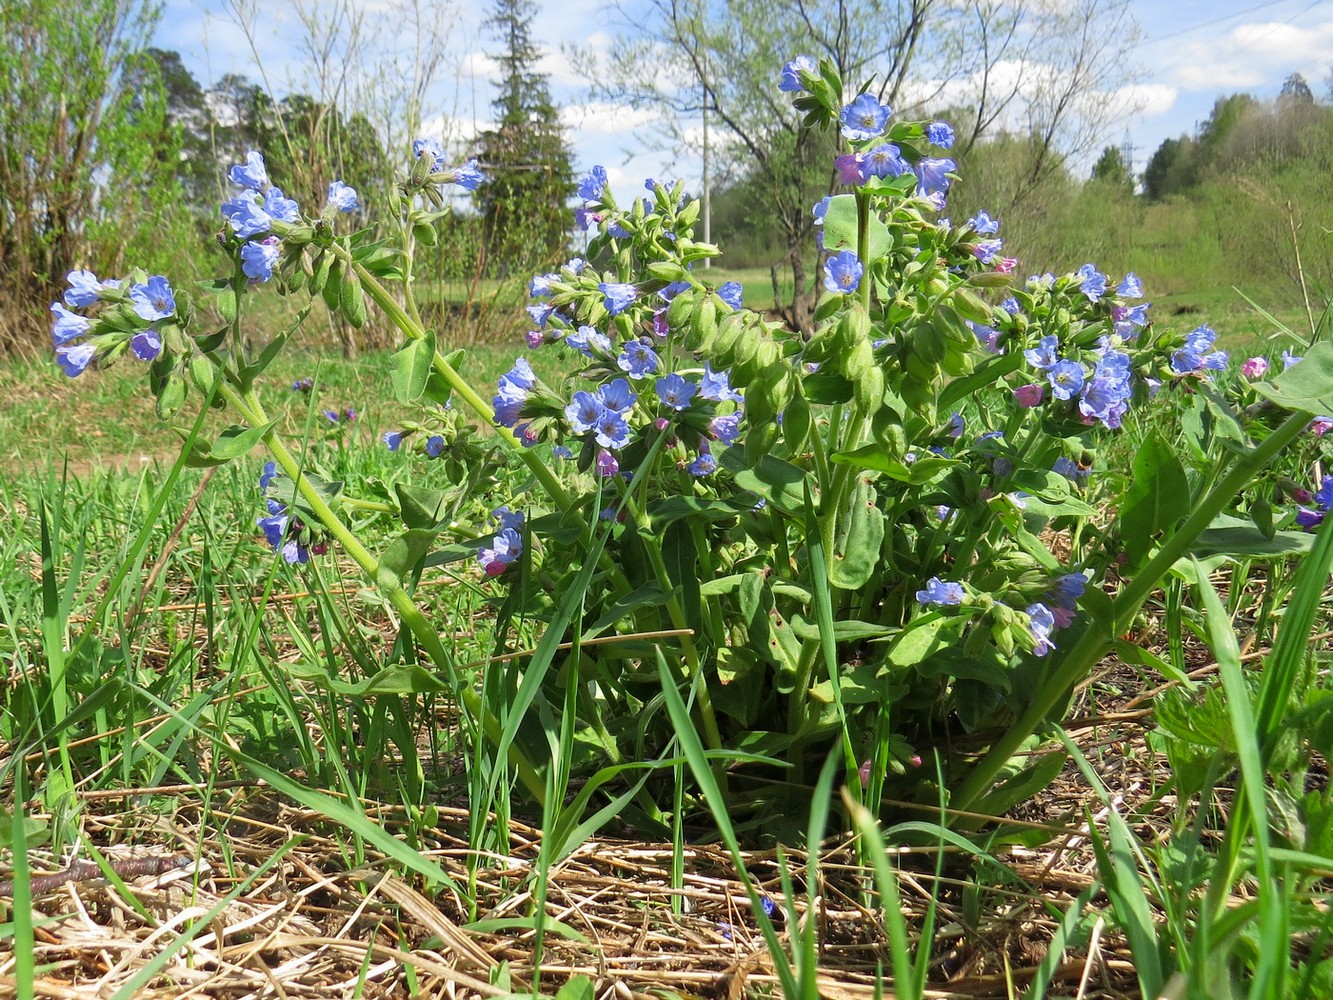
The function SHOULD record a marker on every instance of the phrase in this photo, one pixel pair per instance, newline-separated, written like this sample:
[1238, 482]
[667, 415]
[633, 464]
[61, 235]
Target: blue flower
[1066, 378]
[731, 293]
[516, 383]
[1130, 287]
[1044, 354]
[146, 345]
[616, 396]
[1091, 282]
[258, 258]
[987, 336]
[267, 474]
[941, 592]
[507, 411]
[1040, 623]
[983, 224]
[252, 174]
[933, 180]
[583, 412]
[638, 359]
[561, 452]
[884, 161]
[274, 527]
[343, 197]
[540, 285]
[393, 439]
[84, 289]
[504, 549]
[74, 358]
[985, 250]
[705, 464]
[1106, 394]
[434, 445]
[468, 176]
[726, 428]
[717, 388]
[790, 81]
[941, 134]
[864, 118]
[1011, 306]
[675, 392]
[429, 147]
[246, 216]
[153, 300]
[280, 208]
[1289, 359]
[592, 184]
[1067, 468]
[956, 425]
[67, 326]
[842, 272]
[1197, 353]
[611, 430]
[588, 341]
[619, 296]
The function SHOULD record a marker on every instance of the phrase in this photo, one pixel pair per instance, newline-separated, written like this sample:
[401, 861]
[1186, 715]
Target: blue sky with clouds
[1191, 52]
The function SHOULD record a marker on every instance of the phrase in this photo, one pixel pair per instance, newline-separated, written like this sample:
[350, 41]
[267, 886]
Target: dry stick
[87, 871]
[167, 549]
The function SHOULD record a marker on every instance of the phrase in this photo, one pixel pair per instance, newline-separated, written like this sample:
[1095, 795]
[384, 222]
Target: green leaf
[236, 441]
[778, 482]
[1307, 385]
[1234, 536]
[1022, 786]
[919, 473]
[352, 301]
[923, 637]
[1158, 497]
[858, 539]
[402, 678]
[840, 229]
[402, 556]
[412, 368]
[420, 507]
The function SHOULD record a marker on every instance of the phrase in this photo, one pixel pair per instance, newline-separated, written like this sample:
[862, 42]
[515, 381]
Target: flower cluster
[131, 319]
[284, 531]
[1310, 518]
[506, 546]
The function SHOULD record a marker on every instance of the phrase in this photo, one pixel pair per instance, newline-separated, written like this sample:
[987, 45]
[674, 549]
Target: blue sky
[1191, 52]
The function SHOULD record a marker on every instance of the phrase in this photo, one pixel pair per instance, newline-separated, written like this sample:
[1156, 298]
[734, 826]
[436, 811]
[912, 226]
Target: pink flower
[1006, 265]
[848, 166]
[1254, 367]
[1028, 396]
[1321, 425]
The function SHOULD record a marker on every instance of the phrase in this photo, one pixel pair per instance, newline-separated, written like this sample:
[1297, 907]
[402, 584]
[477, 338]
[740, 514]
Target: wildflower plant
[860, 537]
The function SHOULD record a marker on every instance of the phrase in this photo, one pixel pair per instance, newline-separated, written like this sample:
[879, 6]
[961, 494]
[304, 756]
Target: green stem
[1093, 643]
[249, 406]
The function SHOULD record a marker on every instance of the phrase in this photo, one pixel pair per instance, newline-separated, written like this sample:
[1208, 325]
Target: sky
[1191, 52]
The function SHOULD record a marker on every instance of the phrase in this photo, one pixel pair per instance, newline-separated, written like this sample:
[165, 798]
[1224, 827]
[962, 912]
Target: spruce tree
[526, 221]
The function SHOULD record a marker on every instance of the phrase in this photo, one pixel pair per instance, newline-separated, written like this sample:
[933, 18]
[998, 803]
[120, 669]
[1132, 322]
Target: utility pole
[708, 220]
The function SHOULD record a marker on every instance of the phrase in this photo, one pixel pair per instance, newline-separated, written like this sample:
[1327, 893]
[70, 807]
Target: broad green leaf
[778, 482]
[411, 368]
[919, 473]
[1307, 385]
[236, 441]
[1158, 497]
[840, 229]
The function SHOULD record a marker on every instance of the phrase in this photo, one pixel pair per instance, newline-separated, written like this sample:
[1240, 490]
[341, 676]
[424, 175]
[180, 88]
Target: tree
[526, 220]
[1161, 170]
[1295, 91]
[685, 58]
[80, 178]
[1111, 168]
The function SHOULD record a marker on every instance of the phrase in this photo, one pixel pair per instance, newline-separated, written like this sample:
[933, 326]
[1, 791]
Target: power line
[1230, 17]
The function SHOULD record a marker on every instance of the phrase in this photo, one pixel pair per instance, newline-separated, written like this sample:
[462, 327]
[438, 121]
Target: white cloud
[1250, 55]
[607, 118]
[1151, 99]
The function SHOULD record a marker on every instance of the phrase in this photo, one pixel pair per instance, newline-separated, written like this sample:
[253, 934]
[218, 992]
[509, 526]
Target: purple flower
[258, 258]
[842, 272]
[1040, 624]
[983, 225]
[1128, 318]
[731, 292]
[1091, 282]
[146, 344]
[534, 339]
[505, 548]
[1030, 395]
[941, 592]
[74, 358]
[637, 359]
[956, 425]
[850, 168]
[619, 296]
[343, 197]
[468, 176]
[884, 161]
[1289, 359]
[585, 219]
[1320, 426]
[592, 184]
[675, 392]
[985, 250]
[332, 416]
[84, 289]
[393, 439]
[583, 412]
[252, 174]
[790, 80]
[616, 396]
[607, 465]
[154, 299]
[1254, 368]
[1066, 378]
[941, 134]
[67, 326]
[987, 336]
[864, 118]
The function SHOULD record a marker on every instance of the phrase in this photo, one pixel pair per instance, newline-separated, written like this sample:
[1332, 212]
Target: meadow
[973, 642]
